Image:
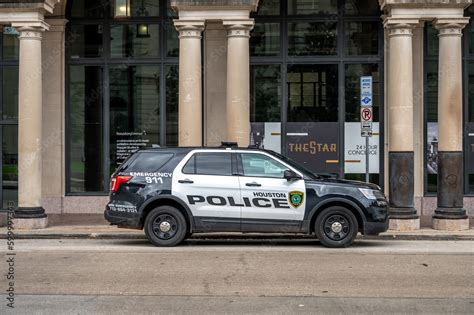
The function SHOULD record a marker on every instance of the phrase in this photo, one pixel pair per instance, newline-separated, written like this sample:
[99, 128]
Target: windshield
[296, 165]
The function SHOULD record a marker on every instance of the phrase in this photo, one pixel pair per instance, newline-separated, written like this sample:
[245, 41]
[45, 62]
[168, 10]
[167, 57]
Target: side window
[259, 165]
[212, 163]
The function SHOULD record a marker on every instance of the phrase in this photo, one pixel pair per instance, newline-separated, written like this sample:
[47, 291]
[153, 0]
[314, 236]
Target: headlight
[368, 193]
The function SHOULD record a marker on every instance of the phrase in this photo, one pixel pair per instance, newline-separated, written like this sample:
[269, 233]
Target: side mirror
[289, 175]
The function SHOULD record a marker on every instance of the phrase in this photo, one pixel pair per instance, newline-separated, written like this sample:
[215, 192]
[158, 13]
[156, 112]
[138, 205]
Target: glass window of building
[431, 109]
[469, 103]
[307, 57]
[122, 86]
[9, 53]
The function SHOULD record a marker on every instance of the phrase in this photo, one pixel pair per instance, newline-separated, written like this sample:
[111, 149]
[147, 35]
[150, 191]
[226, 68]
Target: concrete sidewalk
[112, 232]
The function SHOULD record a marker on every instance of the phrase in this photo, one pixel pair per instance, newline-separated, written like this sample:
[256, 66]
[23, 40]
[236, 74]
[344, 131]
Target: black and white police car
[174, 192]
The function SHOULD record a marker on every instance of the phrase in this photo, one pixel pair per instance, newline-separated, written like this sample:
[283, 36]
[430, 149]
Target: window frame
[10, 63]
[241, 162]
[194, 154]
[341, 59]
[164, 20]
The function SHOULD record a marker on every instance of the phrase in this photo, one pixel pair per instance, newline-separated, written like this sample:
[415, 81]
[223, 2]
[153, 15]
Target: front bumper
[374, 228]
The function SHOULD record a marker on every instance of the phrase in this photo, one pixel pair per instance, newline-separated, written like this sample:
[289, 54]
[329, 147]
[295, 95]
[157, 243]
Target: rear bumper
[374, 228]
[120, 221]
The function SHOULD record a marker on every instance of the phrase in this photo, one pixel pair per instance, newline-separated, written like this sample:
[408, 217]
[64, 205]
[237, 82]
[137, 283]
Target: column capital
[32, 33]
[400, 27]
[450, 26]
[189, 29]
[239, 28]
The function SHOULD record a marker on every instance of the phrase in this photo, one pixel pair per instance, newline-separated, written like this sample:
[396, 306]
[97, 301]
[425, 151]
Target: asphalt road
[230, 276]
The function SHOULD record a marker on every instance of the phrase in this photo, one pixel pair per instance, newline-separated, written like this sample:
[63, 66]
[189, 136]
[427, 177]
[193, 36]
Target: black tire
[336, 227]
[157, 223]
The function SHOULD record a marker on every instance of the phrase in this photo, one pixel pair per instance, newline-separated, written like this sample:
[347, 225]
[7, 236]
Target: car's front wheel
[165, 226]
[336, 227]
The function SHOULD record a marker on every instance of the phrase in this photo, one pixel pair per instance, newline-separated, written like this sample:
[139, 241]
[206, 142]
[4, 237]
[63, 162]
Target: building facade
[84, 83]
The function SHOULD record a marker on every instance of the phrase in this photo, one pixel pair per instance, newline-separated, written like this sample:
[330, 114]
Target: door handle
[185, 181]
[253, 184]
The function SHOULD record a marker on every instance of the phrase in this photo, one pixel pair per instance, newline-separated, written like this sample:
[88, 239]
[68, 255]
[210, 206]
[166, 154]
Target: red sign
[366, 114]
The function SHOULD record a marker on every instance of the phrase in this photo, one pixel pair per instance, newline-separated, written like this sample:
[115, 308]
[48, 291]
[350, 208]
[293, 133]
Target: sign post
[366, 117]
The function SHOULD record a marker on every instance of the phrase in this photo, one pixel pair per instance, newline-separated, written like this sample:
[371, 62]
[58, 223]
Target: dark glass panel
[134, 110]
[433, 40]
[268, 7]
[172, 94]
[265, 39]
[89, 8]
[213, 164]
[10, 166]
[358, 7]
[471, 91]
[432, 185]
[303, 7]
[471, 183]
[432, 91]
[265, 93]
[128, 41]
[172, 40]
[11, 47]
[362, 38]
[85, 41]
[85, 129]
[470, 33]
[312, 93]
[352, 85]
[311, 39]
[135, 8]
[10, 93]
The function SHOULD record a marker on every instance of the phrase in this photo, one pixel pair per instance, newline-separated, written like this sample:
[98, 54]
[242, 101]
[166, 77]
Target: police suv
[174, 192]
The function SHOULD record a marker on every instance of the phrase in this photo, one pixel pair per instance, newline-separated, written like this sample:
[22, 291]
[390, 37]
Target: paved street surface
[79, 276]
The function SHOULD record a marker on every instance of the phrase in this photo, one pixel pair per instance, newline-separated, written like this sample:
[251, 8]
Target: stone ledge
[404, 225]
[451, 225]
[30, 224]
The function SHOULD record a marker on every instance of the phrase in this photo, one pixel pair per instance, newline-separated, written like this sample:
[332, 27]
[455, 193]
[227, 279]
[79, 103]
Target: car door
[205, 181]
[272, 203]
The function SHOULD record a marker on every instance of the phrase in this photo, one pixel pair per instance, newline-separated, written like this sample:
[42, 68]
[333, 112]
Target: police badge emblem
[295, 198]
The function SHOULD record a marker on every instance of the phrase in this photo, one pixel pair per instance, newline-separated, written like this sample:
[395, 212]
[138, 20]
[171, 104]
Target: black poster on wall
[315, 145]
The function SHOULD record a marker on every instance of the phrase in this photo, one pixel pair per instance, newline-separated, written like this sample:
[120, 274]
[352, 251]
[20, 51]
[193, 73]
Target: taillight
[117, 180]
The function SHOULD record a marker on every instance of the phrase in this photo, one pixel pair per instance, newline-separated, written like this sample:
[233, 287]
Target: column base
[402, 213]
[450, 224]
[30, 218]
[450, 213]
[30, 224]
[29, 213]
[404, 225]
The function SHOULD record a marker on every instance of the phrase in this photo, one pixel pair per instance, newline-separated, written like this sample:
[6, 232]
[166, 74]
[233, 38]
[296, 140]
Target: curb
[223, 237]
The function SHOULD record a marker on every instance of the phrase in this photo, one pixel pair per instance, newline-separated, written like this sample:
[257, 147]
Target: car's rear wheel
[165, 226]
[336, 227]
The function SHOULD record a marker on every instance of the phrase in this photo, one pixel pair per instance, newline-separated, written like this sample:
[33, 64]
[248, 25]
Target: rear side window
[147, 162]
[209, 164]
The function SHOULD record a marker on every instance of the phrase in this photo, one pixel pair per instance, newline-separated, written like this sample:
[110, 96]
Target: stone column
[30, 212]
[403, 215]
[238, 81]
[190, 82]
[450, 214]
